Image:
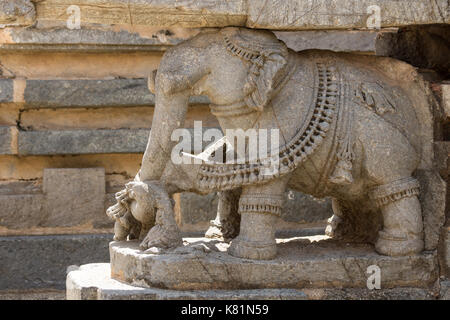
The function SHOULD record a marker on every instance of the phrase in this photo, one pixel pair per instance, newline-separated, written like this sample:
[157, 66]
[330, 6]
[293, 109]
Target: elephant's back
[391, 89]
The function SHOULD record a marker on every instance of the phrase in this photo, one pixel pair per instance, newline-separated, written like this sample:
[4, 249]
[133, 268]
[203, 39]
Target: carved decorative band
[257, 203]
[304, 143]
[395, 191]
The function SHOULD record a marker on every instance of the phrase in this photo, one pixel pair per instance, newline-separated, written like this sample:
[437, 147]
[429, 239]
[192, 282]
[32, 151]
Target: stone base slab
[93, 282]
[302, 262]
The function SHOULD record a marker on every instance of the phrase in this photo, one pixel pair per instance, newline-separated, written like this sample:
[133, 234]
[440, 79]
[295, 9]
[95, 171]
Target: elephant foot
[253, 250]
[402, 232]
[160, 237]
[390, 246]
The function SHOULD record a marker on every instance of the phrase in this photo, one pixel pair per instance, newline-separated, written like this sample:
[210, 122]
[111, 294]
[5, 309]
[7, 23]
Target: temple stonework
[362, 103]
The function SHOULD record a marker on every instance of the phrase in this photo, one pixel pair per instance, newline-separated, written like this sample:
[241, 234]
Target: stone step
[41, 261]
[84, 141]
[81, 93]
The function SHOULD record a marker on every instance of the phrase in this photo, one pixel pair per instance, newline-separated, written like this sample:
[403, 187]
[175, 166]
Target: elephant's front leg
[165, 233]
[259, 207]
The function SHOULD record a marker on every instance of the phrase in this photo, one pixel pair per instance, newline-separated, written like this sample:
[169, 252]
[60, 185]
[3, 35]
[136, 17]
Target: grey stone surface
[292, 14]
[195, 208]
[25, 207]
[335, 40]
[444, 251]
[91, 40]
[93, 282]
[41, 261]
[433, 198]
[343, 14]
[91, 93]
[22, 211]
[7, 137]
[299, 208]
[85, 141]
[6, 90]
[82, 141]
[446, 99]
[83, 93]
[445, 290]
[16, 13]
[303, 208]
[73, 196]
[98, 40]
[43, 294]
[309, 262]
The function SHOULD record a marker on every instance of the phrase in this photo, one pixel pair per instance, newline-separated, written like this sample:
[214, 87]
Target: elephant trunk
[170, 112]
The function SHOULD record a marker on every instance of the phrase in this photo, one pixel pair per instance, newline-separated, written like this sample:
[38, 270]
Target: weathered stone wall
[75, 111]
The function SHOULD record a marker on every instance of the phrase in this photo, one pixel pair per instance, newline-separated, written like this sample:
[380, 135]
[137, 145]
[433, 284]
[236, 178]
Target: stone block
[344, 14]
[261, 14]
[21, 211]
[433, 190]
[335, 40]
[14, 13]
[87, 93]
[92, 93]
[34, 262]
[444, 251]
[167, 13]
[446, 99]
[93, 282]
[445, 290]
[73, 196]
[8, 140]
[308, 262]
[6, 90]
[92, 39]
[85, 141]
[82, 141]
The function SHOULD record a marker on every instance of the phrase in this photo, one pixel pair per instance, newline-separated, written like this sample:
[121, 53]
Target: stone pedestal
[305, 268]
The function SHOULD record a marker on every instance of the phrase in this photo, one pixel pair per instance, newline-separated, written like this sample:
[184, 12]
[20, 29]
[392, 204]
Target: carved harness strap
[314, 129]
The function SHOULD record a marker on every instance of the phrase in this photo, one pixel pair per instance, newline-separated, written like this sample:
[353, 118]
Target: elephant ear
[268, 57]
[262, 79]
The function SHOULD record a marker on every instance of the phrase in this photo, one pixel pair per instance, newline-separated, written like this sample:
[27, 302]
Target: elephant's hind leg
[388, 165]
[402, 232]
[227, 222]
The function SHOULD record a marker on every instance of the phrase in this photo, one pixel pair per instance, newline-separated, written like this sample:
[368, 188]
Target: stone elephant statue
[348, 129]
